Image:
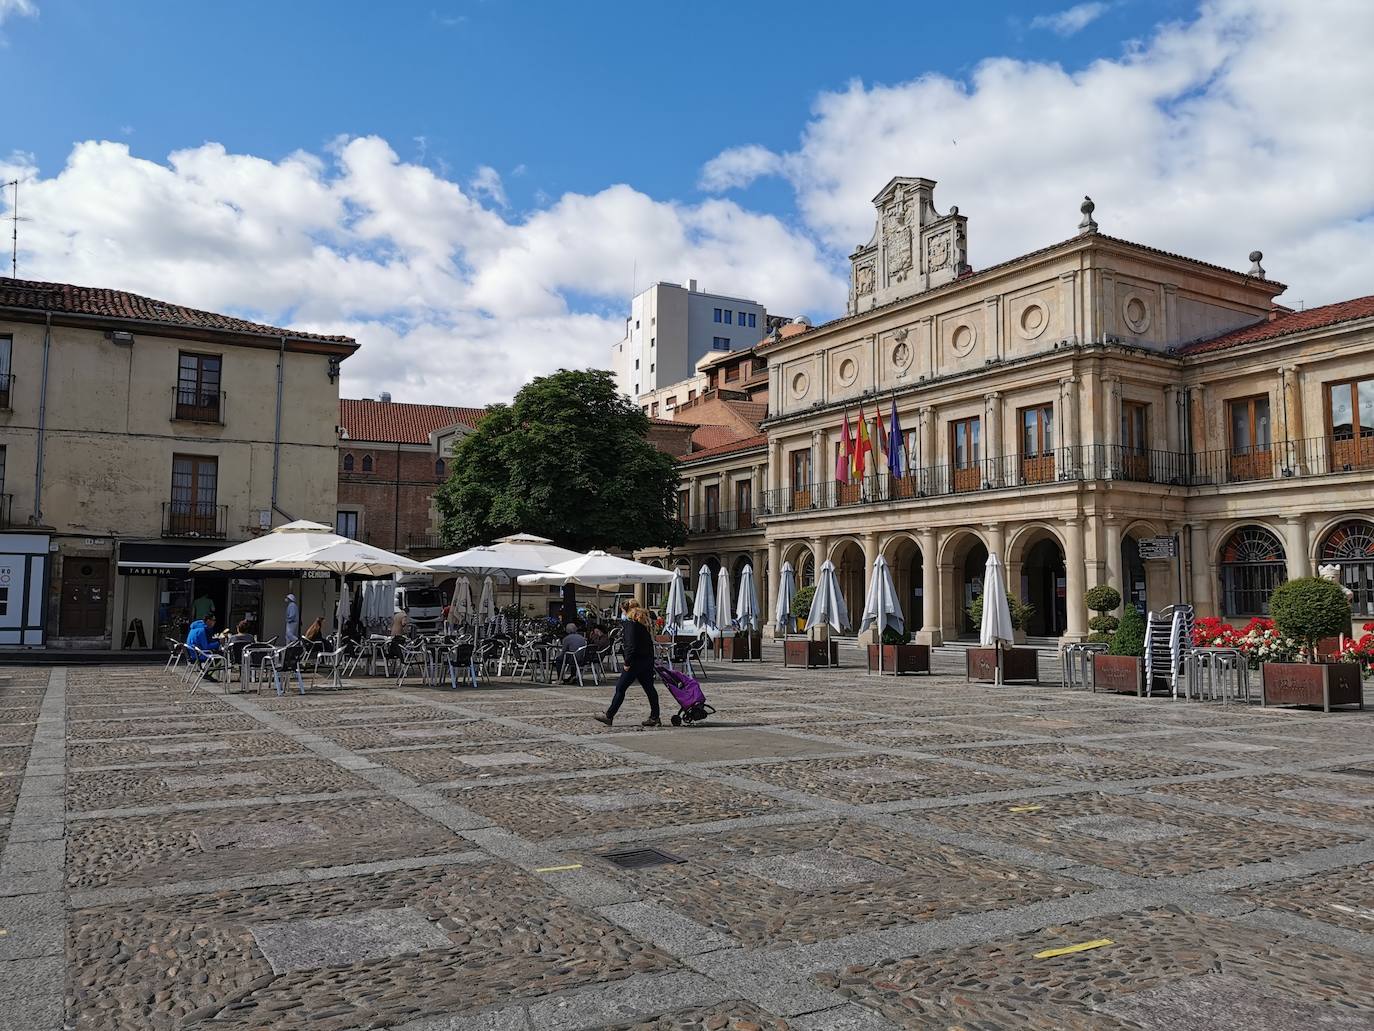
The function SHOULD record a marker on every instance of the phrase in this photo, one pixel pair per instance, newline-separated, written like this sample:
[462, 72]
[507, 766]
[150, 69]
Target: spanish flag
[863, 446]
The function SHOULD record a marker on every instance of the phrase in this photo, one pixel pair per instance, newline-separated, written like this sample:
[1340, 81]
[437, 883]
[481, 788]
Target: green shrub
[1104, 624]
[1103, 598]
[1021, 612]
[1129, 638]
[891, 636]
[801, 602]
[1308, 609]
[1100, 637]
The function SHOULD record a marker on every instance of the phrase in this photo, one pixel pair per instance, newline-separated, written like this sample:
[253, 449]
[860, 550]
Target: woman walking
[639, 665]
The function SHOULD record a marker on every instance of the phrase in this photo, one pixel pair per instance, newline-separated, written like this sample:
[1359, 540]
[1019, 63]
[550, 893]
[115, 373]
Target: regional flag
[863, 446]
[896, 461]
[845, 457]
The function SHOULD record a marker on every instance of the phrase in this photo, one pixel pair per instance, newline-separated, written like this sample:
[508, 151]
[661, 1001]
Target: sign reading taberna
[1158, 547]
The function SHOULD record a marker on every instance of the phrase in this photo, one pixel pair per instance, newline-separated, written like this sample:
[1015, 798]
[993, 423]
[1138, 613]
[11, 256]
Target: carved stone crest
[863, 279]
[897, 237]
[937, 252]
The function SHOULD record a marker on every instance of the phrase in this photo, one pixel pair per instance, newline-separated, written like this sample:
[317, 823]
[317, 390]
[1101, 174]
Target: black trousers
[644, 673]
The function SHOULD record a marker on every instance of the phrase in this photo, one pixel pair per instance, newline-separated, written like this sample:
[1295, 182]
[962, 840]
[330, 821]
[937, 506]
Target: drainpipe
[276, 438]
[37, 518]
[396, 508]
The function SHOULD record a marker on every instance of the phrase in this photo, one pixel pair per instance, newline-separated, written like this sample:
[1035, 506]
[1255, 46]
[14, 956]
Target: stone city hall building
[1057, 408]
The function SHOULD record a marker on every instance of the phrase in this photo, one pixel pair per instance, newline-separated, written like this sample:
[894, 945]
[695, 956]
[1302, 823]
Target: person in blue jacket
[200, 643]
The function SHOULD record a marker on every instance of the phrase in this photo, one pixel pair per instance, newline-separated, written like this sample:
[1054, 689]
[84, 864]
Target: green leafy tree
[568, 459]
[801, 602]
[1022, 612]
[1102, 599]
[1308, 609]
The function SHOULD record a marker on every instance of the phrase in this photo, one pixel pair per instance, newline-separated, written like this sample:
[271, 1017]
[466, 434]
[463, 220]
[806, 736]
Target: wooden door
[1350, 424]
[800, 461]
[965, 453]
[1251, 455]
[195, 480]
[85, 595]
[1037, 444]
[1135, 458]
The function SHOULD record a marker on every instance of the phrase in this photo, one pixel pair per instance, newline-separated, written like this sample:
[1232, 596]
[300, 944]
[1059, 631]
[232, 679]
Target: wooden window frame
[1037, 465]
[1257, 463]
[199, 401]
[1356, 452]
[969, 475]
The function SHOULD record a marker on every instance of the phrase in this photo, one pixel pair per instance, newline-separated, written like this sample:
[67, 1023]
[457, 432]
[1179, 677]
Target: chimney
[384, 397]
[692, 286]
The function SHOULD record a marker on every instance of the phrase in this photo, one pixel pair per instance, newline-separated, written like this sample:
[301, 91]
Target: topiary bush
[1102, 599]
[1308, 609]
[1104, 624]
[801, 602]
[1021, 612]
[1129, 638]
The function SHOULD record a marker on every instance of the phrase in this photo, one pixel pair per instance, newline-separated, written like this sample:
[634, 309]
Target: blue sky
[471, 189]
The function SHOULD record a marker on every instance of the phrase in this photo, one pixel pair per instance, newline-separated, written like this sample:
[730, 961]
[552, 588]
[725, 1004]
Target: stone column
[997, 540]
[870, 541]
[1296, 546]
[1201, 570]
[1115, 570]
[1171, 436]
[1111, 423]
[768, 584]
[930, 592]
[925, 422]
[1076, 628]
[1096, 565]
[992, 443]
[776, 473]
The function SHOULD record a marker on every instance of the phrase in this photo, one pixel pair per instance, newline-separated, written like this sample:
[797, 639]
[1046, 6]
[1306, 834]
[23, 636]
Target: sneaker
[601, 717]
[652, 721]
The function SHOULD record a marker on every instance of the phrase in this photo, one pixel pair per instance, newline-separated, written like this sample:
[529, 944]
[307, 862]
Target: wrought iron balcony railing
[195, 519]
[198, 405]
[722, 522]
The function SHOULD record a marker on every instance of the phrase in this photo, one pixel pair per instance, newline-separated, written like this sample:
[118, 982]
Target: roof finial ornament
[1087, 225]
[1256, 269]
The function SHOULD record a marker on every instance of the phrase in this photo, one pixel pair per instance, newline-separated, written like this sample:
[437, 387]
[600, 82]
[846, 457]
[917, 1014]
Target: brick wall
[395, 498]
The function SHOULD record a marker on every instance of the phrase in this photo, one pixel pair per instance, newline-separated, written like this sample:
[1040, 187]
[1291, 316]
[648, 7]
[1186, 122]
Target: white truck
[421, 600]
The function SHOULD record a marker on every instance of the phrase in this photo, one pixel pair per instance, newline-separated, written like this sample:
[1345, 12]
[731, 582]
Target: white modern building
[671, 327]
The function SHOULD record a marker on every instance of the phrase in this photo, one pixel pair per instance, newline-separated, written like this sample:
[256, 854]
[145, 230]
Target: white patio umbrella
[289, 538]
[526, 547]
[704, 606]
[503, 565]
[676, 609]
[486, 604]
[747, 604]
[598, 569]
[725, 601]
[996, 629]
[828, 610]
[787, 591]
[461, 603]
[881, 607]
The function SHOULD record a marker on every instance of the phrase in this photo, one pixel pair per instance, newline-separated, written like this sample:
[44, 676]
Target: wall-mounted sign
[1158, 547]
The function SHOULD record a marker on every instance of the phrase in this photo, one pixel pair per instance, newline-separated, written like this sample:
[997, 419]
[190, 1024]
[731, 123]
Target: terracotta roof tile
[64, 298]
[710, 436]
[1286, 323]
[395, 422]
[743, 444]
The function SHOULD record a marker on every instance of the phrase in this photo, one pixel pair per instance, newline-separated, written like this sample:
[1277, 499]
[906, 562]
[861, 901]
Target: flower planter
[1311, 683]
[1121, 674]
[744, 646]
[900, 658]
[809, 654]
[1017, 664]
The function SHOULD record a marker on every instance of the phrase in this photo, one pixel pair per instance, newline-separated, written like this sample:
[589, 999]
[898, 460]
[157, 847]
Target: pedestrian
[203, 606]
[639, 665]
[293, 620]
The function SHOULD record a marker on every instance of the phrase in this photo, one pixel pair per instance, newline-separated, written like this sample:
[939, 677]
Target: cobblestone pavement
[830, 851]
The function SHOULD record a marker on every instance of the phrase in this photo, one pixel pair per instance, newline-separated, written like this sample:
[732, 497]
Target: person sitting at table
[315, 630]
[200, 643]
[243, 633]
[573, 642]
[400, 626]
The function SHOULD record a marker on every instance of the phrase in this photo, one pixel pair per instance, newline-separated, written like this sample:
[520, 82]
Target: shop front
[23, 589]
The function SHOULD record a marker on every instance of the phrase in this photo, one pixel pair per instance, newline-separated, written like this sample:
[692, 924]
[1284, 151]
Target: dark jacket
[638, 644]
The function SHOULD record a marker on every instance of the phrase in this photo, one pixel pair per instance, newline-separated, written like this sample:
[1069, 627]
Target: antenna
[14, 229]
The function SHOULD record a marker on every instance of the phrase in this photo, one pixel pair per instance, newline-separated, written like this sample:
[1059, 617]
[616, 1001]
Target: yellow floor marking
[1025, 808]
[1070, 949]
[558, 869]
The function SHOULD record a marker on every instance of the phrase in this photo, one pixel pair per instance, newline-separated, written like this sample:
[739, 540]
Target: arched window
[440, 468]
[367, 463]
[1252, 565]
[1351, 546]
[348, 463]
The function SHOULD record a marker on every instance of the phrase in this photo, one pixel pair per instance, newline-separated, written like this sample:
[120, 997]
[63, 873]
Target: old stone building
[1059, 409]
[137, 435]
[392, 458]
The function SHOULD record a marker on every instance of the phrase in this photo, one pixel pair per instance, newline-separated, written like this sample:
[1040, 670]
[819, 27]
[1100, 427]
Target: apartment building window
[348, 462]
[653, 410]
[744, 503]
[1350, 424]
[440, 468]
[346, 525]
[712, 499]
[691, 395]
[732, 374]
[1253, 563]
[720, 343]
[728, 317]
[367, 463]
[684, 506]
[1251, 455]
[799, 464]
[965, 452]
[672, 401]
[1135, 424]
[192, 511]
[744, 318]
[753, 320]
[198, 383]
[719, 316]
[1037, 444]
[6, 346]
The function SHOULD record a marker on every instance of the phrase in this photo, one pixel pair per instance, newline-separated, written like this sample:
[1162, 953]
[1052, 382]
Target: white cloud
[1211, 138]
[1071, 21]
[738, 167]
[452, 300]
[17, 9]
[487, 183]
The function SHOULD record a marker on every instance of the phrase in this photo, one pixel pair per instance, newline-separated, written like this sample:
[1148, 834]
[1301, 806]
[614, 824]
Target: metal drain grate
[638, 858]
[1353, 771]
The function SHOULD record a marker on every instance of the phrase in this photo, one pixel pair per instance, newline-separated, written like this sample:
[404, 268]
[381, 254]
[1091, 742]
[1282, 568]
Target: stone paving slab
[1347, 800]
[1087, 763]
[182, 749]
[468, 761]
[869, 779]
[118, 789]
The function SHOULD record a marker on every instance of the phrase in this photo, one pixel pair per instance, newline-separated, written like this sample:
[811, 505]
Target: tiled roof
[64, 298]
[744, 444]
[963, 280]
[1287, 323]
[709, 436]
[394, 422]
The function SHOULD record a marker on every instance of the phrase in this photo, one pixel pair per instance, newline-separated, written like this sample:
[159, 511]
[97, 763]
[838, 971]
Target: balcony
[6, 386]
[424, 542]
[722, 522]
[1283, 460]
[195, 519]
[6, 511]
[204, 406]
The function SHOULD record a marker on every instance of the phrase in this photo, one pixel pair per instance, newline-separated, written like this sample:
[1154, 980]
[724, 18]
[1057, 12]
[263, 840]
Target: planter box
[900, 658]
[810, 654]
[1017, 664]
[1307, 683]
[740, 647]
[1122, 674]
